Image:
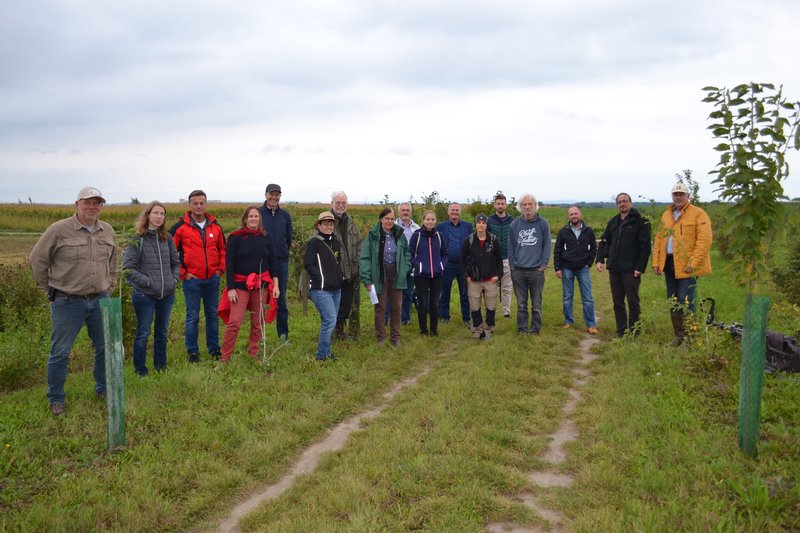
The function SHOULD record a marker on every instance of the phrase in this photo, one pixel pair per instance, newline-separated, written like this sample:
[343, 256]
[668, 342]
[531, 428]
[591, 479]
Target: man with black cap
[278, 224]
[75, 263]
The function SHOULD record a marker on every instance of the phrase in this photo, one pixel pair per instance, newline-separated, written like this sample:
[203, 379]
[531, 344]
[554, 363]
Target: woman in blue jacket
[152, 267]
[428, 257]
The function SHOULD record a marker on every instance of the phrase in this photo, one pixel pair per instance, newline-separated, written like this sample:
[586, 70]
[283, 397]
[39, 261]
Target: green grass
[657, 450]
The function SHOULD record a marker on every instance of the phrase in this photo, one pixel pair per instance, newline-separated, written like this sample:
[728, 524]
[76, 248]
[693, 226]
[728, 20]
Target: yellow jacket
[691, 242]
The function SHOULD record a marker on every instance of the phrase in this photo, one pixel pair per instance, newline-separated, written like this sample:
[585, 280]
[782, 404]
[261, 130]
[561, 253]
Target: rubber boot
[490, 317]
[488, 326]
[338, 332]
[677, 327]
[477, 322]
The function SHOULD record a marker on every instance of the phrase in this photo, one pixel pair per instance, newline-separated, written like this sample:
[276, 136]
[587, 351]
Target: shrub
[785, 275]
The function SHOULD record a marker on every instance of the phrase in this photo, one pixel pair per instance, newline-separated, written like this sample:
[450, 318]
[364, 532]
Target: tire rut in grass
[310, 457]
[554, 455]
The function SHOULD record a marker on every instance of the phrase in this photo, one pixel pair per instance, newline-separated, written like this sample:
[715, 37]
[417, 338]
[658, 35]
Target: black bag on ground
[782, 353]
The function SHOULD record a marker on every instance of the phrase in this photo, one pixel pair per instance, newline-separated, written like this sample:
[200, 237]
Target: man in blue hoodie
[453, 232]
[529, 248]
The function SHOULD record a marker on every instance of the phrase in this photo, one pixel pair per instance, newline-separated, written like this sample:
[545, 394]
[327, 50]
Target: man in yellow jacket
[681, 252]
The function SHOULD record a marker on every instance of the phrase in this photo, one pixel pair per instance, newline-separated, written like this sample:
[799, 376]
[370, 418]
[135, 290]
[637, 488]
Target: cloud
[428, 93]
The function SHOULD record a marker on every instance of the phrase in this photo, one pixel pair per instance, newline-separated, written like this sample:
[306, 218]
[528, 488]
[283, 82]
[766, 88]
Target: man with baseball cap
[682, 252]
[75, 263]
[278, 224]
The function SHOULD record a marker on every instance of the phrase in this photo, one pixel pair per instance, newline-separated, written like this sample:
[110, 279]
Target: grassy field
[656, 452]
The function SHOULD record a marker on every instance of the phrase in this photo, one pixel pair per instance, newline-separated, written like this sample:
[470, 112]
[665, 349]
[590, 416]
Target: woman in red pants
[250, 268]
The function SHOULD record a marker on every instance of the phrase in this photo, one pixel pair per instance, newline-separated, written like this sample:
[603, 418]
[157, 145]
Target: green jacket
[371, 261]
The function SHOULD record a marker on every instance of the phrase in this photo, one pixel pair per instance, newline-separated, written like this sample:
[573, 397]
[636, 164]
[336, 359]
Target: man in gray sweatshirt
[529, 247]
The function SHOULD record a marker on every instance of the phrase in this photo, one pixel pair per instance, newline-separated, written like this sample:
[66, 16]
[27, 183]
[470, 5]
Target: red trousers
[247, 301]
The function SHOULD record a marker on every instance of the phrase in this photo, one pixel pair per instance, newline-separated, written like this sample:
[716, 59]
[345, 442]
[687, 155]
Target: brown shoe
[592, 330]
[58, 408]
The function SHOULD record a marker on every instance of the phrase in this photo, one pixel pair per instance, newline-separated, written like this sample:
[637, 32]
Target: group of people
[75, 263]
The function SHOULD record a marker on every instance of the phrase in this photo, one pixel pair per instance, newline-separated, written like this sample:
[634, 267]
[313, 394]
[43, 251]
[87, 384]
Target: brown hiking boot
[58, 408]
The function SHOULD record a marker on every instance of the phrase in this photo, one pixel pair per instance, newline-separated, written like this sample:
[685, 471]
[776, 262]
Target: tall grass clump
[24, 326]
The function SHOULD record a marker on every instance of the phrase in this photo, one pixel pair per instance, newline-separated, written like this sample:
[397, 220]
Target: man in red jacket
[201, 245]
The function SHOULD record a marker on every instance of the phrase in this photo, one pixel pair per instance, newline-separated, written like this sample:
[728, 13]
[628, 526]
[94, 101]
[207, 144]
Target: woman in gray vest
[152, 267]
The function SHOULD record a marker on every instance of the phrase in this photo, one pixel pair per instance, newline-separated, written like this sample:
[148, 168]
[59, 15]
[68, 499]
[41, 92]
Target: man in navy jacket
[278, 224]
[453, 233]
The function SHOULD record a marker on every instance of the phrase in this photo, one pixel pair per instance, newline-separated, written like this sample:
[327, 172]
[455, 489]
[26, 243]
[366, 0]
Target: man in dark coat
[573, 256]
[624, 250]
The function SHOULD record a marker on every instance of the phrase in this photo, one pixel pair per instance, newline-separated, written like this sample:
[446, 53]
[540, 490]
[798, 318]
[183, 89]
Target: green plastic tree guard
[111, 311]
[751, 378]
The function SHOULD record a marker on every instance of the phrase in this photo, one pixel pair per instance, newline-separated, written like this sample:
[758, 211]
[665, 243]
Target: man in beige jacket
[75, 263]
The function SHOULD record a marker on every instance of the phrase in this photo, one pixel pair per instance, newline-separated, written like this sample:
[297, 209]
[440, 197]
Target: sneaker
[434, 333]
[506, 315]
[194, 357]
[566, 326]
[592, 330]
[467, 323]
[444, 320]
[396, 343]
[215, 354]
[535, 333]
[58, 408]
[100, 396]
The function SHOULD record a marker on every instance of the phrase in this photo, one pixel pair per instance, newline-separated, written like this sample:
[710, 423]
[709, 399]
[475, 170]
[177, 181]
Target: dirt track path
[554, 455]
[337, 437]
[309, 459]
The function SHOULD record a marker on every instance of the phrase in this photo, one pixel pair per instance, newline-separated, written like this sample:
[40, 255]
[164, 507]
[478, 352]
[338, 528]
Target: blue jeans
[282, 322]
[146, 307]
[327, 303]
[450, 274]
[408, 297]
[568, 291]
[68, 316]
[528, 282]
[681, 289]
[193, 291]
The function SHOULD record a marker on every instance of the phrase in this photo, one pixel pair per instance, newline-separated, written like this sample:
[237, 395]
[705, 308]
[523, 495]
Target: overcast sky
[570, 100]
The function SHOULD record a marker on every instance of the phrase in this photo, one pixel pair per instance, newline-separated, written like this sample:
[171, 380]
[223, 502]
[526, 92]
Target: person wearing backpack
[322, 262]
[482, 265]
[428, 258]
[152, 268]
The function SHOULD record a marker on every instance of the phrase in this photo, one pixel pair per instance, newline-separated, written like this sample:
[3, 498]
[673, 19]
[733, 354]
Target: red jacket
[202, 252]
